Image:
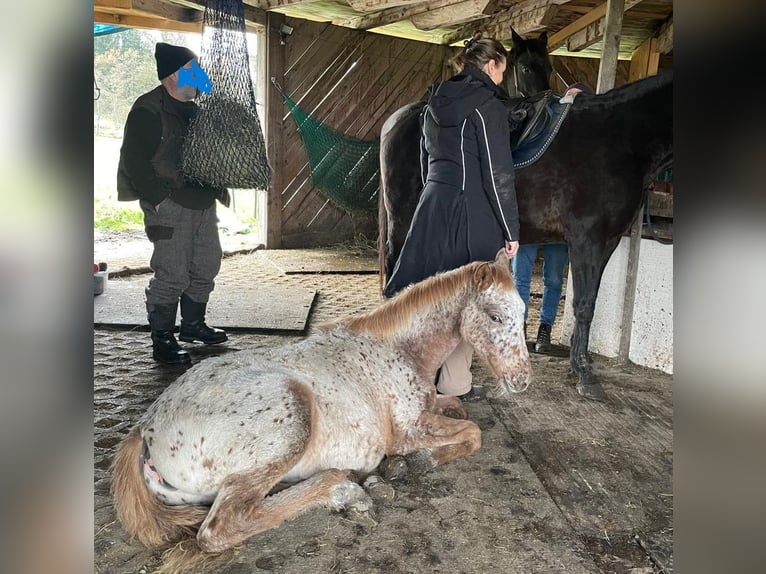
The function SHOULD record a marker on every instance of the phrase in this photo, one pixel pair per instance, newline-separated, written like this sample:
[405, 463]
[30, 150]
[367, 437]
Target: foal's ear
[543, 38]
[484, 276]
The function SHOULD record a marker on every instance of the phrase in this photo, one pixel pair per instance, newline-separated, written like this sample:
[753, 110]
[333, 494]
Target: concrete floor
[560, 484]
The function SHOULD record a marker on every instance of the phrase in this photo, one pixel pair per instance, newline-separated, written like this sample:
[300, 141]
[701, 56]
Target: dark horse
[585, 190]
[529, 67]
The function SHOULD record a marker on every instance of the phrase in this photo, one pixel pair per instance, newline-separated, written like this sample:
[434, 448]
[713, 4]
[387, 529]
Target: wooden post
[275, 68]
[610, 47]
[643, 63]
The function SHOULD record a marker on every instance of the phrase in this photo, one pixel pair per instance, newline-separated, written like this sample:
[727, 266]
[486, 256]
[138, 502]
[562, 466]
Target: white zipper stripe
[422, 145]
[491, 177]
[462, 152]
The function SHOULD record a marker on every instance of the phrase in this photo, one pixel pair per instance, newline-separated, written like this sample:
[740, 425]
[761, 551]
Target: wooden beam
[147, 22]
[391, 15]
[450, 15]
[524, 17]
[374, 5]
[610, 48]
[592, 33]
[274, 4]
[254, 16]
[157, 8]
[665, 37]
[274, 129]
[557, 39]
[643, 64]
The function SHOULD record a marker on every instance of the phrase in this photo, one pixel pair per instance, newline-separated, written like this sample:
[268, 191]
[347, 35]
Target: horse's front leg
[588, 262]
[435, 440]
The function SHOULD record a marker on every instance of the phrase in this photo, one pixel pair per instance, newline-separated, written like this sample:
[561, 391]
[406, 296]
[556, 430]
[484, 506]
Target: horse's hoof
[358, 506]
[393, 468]
[378, 489]
[592, 391]
[420, 461]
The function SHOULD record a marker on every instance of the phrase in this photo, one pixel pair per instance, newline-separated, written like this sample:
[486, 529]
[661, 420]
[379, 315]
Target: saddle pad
[533, 148]
[295, 261]
[231, 307]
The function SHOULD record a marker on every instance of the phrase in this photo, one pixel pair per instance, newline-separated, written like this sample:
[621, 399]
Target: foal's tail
[141, 514]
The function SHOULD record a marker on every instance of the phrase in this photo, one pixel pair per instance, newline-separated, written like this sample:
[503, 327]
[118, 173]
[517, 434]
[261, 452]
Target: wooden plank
[645, 60]
[665, 37]
[643, 64]
[630, 289]
[157, 8]
[610, 49]
[660, 204]
[450, 15]
[146, 22]
[374, 5]
[558, 38]
[525, 17]
[593, 32]
[274, 128]
[391, 15]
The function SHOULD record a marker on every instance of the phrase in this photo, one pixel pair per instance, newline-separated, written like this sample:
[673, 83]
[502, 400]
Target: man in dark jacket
[179, 214]
[467, 210]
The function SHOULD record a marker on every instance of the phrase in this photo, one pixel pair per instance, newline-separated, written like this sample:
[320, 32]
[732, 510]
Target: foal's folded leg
[240, 511]
[441, 439]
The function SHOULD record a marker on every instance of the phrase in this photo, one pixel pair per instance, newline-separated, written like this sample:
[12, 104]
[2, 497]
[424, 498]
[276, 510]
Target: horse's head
[493, 323]
[528, 61]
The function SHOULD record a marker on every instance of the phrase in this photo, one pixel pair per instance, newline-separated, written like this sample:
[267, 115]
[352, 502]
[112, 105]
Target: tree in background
[125, 68]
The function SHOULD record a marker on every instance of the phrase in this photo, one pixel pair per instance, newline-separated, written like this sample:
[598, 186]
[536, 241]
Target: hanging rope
[225, 146]
[345, 169]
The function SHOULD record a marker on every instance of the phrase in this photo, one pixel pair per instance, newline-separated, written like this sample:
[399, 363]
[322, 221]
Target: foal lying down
[205, 457]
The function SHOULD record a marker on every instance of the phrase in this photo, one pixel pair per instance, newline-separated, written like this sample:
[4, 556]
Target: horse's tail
[141, 514]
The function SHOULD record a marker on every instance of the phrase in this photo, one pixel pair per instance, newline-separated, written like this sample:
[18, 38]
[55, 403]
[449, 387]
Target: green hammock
[345, 169]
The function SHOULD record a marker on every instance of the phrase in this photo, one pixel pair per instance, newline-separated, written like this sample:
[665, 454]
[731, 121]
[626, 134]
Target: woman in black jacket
[467, 210]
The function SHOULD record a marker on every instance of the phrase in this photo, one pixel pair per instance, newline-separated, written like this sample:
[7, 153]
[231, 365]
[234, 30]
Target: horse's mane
[395, 313]
[621, 94]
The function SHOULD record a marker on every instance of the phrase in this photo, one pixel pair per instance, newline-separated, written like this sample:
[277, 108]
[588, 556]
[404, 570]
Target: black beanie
[170, 58]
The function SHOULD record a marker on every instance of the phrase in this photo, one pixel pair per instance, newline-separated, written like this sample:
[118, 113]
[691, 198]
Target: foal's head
[493, 323]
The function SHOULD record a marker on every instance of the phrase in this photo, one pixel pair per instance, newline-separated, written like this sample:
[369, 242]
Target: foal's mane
[396, 313]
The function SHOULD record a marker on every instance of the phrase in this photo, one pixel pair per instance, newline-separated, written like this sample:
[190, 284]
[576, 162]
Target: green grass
[110, 218]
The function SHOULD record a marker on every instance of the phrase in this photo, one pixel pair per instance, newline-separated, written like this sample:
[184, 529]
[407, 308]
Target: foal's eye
[496, 318]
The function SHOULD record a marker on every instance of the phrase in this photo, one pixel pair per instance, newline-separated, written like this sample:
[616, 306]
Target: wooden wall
[317, 62]
[583, 70]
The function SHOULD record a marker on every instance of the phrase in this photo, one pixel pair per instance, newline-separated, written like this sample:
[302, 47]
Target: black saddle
[534, 122]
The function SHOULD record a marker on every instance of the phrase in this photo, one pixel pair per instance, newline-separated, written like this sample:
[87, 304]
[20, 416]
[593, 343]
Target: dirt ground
[560, 484]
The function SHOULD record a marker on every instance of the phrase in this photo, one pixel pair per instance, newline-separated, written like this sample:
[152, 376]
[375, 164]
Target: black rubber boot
[165, 348]
[543, 343]
[193, 327]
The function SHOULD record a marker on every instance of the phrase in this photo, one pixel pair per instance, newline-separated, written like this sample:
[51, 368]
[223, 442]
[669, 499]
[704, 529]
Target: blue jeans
[555, 258]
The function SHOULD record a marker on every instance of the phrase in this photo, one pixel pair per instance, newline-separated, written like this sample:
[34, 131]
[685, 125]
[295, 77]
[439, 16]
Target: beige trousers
[455, 377]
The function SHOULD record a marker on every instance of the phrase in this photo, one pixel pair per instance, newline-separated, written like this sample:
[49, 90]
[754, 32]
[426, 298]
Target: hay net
[225, 145]
[345, 169]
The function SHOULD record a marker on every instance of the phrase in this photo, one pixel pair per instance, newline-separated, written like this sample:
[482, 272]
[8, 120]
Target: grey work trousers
[187, 252]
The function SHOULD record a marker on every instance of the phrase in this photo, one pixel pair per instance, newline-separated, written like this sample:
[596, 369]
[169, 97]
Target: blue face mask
[195, 77]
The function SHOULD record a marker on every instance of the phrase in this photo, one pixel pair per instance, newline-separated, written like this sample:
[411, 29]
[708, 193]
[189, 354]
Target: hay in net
[225, 146]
